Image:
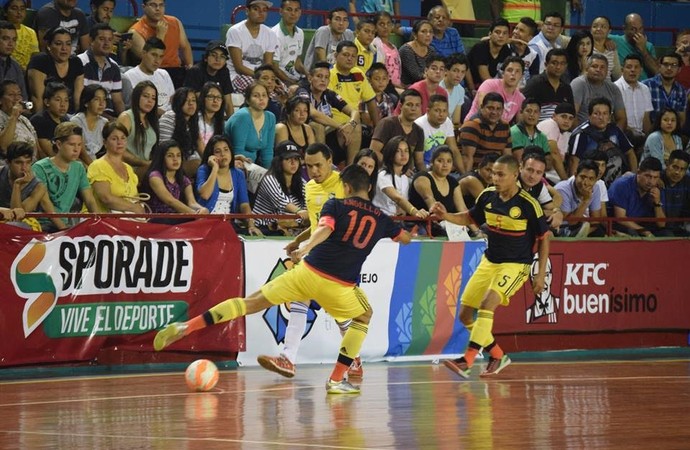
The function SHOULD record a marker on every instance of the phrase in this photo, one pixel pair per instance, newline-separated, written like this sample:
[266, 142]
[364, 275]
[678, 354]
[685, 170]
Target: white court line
[546, 380]
[159, 438]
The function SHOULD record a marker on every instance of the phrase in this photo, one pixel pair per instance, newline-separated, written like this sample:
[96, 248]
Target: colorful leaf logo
[37, 288]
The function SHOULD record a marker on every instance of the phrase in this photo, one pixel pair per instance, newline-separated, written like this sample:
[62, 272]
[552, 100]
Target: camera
[27, 105]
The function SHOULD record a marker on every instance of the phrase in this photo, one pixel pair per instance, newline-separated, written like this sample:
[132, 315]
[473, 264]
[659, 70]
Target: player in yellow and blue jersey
[331, 261]
[514, 223]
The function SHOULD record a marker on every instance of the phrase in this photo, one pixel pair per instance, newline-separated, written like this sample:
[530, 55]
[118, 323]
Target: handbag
[141, 199]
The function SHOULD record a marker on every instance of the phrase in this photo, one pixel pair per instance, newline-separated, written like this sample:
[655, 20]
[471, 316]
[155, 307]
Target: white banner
[266, 259]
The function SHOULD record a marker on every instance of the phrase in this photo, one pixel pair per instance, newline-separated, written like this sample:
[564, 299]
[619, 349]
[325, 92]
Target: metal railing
[608, 222]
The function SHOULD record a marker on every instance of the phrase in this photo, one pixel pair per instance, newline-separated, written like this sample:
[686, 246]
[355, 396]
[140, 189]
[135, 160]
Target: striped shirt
[476, 133]
[270, 199]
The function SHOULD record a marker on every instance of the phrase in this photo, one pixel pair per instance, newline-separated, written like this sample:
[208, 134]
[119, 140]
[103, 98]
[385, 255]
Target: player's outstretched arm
[439, 212]
[404, 237]
[294, 244]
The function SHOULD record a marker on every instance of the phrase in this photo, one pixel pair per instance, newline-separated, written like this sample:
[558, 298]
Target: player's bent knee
[466, 315]
[492, 300]
[365, 318]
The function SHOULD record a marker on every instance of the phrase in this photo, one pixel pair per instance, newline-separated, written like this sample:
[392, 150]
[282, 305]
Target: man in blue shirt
[581, 197]
[638, 195]
[675, 195]
[665, 90]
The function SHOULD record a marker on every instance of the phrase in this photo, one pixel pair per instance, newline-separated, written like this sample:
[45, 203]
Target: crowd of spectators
[100, 121]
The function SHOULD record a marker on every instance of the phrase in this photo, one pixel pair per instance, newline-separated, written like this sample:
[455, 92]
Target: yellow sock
[470, 326]
[481, 332]
[231, 308]
[349, 348]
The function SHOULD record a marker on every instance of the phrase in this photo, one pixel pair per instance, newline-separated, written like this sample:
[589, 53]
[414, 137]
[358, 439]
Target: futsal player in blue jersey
[331, 261]
[514, 223]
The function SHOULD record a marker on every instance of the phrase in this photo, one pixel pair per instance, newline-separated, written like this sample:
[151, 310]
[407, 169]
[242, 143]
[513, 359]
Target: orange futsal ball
[201, 375]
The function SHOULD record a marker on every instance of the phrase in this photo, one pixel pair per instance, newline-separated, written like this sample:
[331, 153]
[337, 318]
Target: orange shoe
[278, 364]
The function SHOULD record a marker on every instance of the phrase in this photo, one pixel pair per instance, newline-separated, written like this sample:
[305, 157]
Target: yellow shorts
[303, 282]
[504, 278]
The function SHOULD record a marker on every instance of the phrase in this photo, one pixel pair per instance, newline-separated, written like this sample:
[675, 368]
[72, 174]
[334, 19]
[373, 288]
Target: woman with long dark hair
[141, 122]
[413, 54]
[579, 49]
[252, 129]
[90, 119]
[211, 106]
[367, 159]
[294, 126]
[170, 189]
[393, 184]
[665, 136]
[181, 124]
[220, 187]
[281, 191]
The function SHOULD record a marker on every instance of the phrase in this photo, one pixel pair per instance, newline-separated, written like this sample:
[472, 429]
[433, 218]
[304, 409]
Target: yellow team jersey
[27, 45]
[365, 56]
[316, 194]
[354, 88]
[460, 9]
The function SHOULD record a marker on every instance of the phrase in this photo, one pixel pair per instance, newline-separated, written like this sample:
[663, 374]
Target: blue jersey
[357, 226]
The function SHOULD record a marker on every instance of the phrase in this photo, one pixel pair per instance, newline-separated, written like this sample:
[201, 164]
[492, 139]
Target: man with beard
[665, 90]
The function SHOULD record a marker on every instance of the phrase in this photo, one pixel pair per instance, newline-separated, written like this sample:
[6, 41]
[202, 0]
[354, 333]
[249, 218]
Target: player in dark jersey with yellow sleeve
[332, 259]
[514, 222]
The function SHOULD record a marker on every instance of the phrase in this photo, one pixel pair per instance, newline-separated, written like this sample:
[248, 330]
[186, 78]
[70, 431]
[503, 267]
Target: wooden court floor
[569, 405]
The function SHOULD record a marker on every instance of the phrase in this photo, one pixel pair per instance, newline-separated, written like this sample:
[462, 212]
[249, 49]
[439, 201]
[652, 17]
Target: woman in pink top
[386, 51]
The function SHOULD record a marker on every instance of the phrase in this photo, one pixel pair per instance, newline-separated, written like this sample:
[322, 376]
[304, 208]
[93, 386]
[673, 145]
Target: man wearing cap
[64, 175]
[169, 29]
[286, 196]
[288, 56]
[250, 43]
[212, 68]
[557, 131]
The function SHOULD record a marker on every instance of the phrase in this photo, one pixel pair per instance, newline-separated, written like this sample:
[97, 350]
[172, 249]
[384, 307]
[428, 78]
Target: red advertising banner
[597, 286]
[110, 282]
